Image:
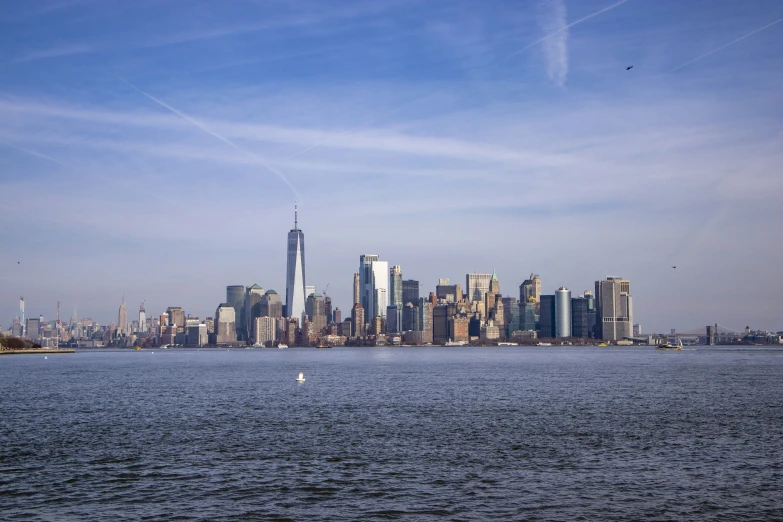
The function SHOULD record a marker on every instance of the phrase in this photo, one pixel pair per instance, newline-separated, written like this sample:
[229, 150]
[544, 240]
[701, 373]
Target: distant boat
[508, 344]
[282, 346]
[137, 348]
[301, 377]
[666, 345]
[544, 344]
[602, 344]
[322, 344]
[456, 343]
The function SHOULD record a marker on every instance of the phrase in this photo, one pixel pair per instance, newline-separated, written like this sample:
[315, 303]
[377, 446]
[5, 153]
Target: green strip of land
[36, 350]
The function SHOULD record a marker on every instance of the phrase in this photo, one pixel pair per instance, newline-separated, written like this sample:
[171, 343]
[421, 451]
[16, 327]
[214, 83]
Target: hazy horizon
[155, 150]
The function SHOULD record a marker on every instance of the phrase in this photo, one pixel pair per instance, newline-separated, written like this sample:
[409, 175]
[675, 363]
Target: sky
[154, 150]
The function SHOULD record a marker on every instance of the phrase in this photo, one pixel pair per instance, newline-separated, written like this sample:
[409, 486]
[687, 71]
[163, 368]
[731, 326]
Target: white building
[264, 329]
[477, 286]
[225, 324]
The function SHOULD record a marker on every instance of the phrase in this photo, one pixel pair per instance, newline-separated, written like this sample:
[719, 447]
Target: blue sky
[155, 148]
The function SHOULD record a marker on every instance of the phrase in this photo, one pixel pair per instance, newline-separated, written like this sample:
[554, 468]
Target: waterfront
[394, 433]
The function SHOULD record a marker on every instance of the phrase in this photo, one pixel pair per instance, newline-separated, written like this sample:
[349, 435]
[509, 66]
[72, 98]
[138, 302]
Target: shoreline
[37, 350]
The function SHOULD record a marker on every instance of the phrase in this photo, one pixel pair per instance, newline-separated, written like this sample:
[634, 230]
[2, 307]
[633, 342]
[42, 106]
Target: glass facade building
[547, 317]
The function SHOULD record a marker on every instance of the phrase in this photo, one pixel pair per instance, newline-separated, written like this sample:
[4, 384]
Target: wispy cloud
[55, 52]
[553, 21]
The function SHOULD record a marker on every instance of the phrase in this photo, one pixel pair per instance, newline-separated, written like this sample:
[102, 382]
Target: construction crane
[325, 289]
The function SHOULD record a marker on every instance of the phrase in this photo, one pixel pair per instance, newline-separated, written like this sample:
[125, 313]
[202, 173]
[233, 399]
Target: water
[393, 434]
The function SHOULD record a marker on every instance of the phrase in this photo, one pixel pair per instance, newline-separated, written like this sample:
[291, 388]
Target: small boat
[282, 346]
[602, 344]
[137, 348]
[544, 344]
[322, 344]
[301, 377]
[669, 346]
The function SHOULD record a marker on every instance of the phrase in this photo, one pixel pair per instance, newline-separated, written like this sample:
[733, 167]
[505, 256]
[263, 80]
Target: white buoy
[301, 377]
[45, 357]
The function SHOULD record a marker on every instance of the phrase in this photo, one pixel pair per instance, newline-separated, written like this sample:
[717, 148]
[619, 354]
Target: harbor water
[457, 433]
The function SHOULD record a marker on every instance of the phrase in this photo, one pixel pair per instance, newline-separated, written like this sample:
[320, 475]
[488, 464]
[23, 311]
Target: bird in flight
[629, 68]
[674, 266]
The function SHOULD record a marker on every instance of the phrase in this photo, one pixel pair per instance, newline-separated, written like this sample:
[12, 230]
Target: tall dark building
[394, 319]
[410, 292]
[579, 324]
[440, 324]
[235, 297]
[410, 317]
[547, 317]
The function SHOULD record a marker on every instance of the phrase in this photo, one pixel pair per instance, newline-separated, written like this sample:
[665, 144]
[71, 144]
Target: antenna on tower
[296, 216]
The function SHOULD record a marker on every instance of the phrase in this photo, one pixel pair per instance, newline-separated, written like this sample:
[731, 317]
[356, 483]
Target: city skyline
[447, 138]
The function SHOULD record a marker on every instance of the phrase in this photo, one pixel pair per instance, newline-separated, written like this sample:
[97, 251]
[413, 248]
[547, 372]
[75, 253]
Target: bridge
[710, 334]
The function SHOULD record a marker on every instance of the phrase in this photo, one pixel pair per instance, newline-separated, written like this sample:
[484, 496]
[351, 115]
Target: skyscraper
[395, 287]
[252, 308]
[374, 282]
[142, 319]
[225, 324]
[394, 319]
[235, 296]
[531, 287]
[21, 315]
[563, 312]
[410, 292]
[271, 305]
[583, 316]
[316, 311]
[176, 316]
[547, 317]
[33, 329]
[357, 289]
[511, 320]
[477, 285]
[122, 318]
[357, 320]
[295, 272]
[614, 310]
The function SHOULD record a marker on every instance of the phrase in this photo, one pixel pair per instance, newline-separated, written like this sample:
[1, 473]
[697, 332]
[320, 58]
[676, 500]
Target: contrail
[725, 45]
[214, 134]
[565, 27]
[368, 122]
[33, 153]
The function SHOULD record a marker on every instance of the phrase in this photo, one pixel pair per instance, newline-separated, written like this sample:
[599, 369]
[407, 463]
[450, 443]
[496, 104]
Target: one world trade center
[295, 273]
